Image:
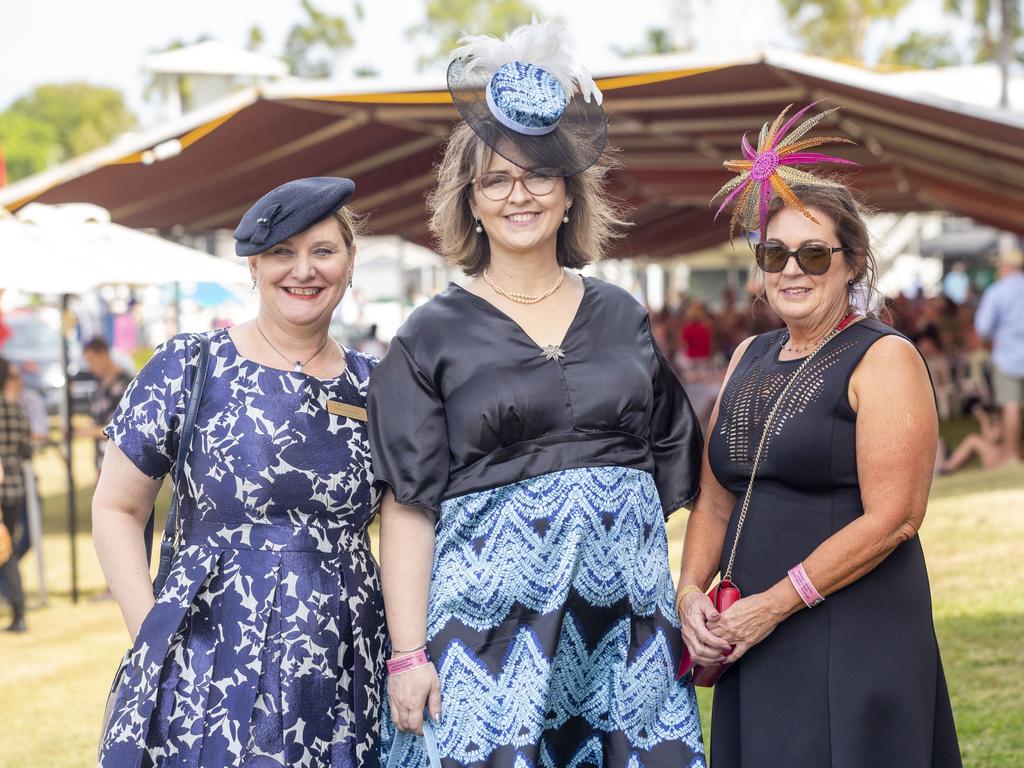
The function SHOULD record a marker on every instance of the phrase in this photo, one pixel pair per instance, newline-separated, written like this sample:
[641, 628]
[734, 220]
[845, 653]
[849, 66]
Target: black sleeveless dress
[857, 681]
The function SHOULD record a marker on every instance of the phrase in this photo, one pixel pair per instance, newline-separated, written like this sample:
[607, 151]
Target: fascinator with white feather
[527, 99]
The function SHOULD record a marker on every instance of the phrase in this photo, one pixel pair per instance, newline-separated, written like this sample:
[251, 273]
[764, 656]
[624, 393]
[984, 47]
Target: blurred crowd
[699, 341]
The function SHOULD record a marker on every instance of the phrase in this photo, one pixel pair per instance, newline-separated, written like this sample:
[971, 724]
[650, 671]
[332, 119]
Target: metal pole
[65, 357]
[35, 528]
[177, 307]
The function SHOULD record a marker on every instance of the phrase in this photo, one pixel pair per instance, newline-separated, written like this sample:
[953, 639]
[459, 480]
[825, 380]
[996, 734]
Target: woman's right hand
[409, 693]
[695, 610]
[136, 613]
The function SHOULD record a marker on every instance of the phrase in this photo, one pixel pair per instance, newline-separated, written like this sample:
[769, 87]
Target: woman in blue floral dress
[265, 646]
[532, 441]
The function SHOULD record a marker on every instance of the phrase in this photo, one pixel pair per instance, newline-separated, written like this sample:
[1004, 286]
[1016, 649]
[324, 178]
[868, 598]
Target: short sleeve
[408, 431]
[144, 425]
[676, 440]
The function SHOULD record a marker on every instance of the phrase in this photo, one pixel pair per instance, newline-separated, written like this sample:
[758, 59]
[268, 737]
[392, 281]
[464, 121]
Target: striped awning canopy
[675, 119]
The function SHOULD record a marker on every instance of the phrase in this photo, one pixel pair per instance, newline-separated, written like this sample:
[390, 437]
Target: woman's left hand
[746, 623]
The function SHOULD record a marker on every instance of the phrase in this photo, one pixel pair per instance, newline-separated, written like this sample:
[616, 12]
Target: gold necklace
[790, 348]
[298, 365]
[524, 298]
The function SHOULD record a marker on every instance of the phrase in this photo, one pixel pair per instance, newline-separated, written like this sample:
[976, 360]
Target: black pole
[65, 356]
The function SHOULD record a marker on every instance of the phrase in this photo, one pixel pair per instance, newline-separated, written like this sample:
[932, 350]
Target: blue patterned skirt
[553, 629]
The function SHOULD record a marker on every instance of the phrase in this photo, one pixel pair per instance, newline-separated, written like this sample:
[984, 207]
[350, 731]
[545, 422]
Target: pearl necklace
[524, 298]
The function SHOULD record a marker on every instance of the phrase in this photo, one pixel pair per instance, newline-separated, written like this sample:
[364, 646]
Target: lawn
[53, 680]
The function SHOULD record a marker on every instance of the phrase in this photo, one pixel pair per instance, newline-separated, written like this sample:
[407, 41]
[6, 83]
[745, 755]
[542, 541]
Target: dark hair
[5, 372]
[847, 215]
[96, 344]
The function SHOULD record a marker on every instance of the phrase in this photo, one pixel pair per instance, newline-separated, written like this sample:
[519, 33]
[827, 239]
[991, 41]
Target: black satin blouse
[465, 401]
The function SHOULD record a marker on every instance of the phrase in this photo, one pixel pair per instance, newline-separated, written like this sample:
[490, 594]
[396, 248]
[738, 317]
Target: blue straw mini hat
[289, 209]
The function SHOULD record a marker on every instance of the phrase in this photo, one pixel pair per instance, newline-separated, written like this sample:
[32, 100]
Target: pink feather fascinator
[770, 169]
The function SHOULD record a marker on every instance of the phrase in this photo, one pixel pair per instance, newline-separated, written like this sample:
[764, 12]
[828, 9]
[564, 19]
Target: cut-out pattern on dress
[751, 395]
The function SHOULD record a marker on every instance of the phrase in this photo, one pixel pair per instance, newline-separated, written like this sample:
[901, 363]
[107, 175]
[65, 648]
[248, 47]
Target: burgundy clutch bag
[723, 595]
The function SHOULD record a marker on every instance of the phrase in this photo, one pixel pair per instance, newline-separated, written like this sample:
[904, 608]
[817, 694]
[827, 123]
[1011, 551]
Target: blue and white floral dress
[265, 647]
[551, 614]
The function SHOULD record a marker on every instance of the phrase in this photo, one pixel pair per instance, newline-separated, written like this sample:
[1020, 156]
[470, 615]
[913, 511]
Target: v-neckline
[542, 348]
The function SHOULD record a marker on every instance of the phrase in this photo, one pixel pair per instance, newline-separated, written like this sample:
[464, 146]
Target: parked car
[34, 346]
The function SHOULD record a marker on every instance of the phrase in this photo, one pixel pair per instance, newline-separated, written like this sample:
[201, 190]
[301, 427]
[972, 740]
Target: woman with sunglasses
[831, 651]
[532, 441]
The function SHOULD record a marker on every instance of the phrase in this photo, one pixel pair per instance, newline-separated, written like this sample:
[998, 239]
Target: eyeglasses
[812, 259]
[497, 186]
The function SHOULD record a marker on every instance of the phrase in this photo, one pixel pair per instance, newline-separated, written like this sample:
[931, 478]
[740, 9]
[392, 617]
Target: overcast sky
[105, 41]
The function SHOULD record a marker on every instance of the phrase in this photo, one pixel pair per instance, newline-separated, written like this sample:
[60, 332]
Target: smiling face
[523, 222]
[796, 296]
[302, 279]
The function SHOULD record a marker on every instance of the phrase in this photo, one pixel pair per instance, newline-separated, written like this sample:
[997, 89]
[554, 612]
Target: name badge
[339, 408]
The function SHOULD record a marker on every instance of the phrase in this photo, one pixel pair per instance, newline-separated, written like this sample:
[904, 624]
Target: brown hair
[847, 214]
[96, 344]
[594, 222]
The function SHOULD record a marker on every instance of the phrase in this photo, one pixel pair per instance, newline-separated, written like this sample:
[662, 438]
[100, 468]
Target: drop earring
[479, 227]
[254, 283]
[565, 217]
[350, 281]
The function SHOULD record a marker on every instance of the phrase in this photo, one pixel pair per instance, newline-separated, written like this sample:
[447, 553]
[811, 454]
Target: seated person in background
[941, 372]
[989, 446]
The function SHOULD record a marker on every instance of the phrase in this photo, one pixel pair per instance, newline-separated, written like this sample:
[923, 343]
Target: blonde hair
[352, 225]
[594, 223]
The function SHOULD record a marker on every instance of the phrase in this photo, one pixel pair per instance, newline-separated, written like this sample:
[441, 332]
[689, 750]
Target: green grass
[53, 681]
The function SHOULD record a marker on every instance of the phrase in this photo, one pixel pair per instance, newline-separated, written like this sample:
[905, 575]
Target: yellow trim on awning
[443, 97]
[186, 140]
[423, 97]
[627, 81]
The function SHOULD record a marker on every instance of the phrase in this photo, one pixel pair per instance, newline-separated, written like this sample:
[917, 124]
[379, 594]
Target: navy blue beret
[289, 209]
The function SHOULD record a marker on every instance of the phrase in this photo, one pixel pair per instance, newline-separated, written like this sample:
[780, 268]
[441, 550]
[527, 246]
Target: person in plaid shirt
[15, 449]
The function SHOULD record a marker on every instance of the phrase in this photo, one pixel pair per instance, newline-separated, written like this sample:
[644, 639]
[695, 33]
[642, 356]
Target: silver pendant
[297, 368]
[553, 352]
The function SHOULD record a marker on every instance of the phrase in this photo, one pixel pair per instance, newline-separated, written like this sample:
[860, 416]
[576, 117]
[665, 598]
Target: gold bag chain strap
[764, 439]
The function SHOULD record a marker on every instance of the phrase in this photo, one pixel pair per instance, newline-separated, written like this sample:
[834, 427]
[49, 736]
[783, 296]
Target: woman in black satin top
[532, 441]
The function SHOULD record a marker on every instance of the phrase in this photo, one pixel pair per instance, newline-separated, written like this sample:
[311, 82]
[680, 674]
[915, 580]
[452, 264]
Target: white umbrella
[75, 248]
[32, 260]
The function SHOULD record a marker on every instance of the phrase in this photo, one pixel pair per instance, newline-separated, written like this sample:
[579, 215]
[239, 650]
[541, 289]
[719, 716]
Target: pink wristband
[803, 586]
[405, 663]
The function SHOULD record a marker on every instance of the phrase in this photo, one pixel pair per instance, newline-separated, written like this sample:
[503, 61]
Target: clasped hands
[709, 635]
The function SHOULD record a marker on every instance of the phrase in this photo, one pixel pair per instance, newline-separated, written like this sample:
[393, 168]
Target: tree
[255, 39]
[448, 20]
[838, 29]
[998, 27]
[923, 51]
[656, 40]
[82, 116]
[313, 45]
[28, 145]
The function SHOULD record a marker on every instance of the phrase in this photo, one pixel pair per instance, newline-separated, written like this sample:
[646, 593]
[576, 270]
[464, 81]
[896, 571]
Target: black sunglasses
[812, 259]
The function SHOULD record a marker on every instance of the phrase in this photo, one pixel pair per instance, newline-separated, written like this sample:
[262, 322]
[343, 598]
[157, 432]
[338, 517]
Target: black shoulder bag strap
[171, 530]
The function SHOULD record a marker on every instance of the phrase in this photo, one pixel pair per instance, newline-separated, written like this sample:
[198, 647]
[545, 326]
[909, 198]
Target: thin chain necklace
[789, 348]
[298, 364]
[524, 298]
